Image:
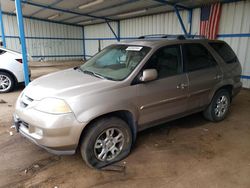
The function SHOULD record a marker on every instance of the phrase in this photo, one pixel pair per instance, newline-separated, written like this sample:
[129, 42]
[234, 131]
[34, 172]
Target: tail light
[19, 60]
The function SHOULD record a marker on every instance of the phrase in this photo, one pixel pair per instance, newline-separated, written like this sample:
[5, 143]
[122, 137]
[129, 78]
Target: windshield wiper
[99, 76]
[93, 74]
[75, 68]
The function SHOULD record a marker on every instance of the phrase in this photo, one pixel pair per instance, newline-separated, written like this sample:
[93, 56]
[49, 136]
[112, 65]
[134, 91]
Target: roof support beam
[2, 27]
[44, 20]
[105, 8]
[22, 40]
[112, 30]
[180, 20]
[114, 6]
[176, 6]
[190, 20]
[166, 2]
[65, 11]
[83, 44]
[119, 30]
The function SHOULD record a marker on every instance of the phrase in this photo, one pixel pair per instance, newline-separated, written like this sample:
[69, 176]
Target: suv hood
[66, 83]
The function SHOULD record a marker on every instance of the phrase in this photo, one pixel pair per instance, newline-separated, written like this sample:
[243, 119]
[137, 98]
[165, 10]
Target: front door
[167, 96]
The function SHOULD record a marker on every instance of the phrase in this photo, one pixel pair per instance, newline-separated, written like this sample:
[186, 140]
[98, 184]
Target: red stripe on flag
[212, 35]
[209, 21]
[216, 28]
[210, 27]
[214, 22]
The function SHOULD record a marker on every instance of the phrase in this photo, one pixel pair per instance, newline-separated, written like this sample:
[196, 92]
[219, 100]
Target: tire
[101, 145]
[219, 106]
[7, 82]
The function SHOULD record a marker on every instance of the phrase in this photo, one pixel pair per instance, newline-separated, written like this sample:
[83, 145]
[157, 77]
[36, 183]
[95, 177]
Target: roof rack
[197, 37]
[179, 37]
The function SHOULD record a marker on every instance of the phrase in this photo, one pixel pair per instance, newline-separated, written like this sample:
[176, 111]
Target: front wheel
[107, 140]
[219, 106]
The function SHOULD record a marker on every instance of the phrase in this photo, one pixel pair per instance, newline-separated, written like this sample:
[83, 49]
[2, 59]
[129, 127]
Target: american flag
[209, 21]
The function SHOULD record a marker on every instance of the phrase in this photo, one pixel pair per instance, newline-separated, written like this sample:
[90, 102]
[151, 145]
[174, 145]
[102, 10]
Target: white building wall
[99, 31]
[45, 47]
[156, 24]
[234, 20]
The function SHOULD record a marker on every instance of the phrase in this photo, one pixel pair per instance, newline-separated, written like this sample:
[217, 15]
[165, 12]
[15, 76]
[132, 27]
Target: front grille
[25, 101]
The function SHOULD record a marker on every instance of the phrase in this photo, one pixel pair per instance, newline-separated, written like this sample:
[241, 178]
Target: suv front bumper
[58, 134]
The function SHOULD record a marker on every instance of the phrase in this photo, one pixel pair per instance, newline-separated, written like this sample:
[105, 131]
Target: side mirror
[149, 75]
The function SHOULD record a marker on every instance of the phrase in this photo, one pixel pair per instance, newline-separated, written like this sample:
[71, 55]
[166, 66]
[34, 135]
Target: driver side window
[167, 61]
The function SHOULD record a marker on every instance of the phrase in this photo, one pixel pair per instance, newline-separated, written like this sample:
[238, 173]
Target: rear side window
[225, 51]
[198, 57]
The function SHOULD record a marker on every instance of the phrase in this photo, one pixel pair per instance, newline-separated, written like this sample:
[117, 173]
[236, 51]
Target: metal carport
[83, 12]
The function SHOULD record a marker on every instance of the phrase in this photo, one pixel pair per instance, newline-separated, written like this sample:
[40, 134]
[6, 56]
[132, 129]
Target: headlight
[53, 106]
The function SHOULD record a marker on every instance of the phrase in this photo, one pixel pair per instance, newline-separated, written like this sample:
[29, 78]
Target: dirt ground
[189, 152]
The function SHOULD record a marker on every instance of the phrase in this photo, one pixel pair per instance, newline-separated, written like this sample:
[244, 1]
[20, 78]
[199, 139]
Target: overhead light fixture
[90, 4]
[132, 13]
[86, 22]
[53, 16]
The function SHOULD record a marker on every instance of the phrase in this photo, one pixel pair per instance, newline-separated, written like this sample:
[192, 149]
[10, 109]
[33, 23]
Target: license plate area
[16, 123]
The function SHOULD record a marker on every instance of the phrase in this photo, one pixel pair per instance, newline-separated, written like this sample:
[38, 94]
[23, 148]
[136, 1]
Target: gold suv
[100, 106]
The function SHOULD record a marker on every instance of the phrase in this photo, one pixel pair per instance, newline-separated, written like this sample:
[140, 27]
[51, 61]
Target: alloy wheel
[221, 106]
[109, 144]
[5, 83]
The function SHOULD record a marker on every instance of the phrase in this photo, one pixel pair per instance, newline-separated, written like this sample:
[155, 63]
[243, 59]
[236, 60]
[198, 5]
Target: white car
[11, 70]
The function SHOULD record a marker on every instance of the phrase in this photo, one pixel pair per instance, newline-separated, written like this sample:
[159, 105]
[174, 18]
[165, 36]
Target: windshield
[115, 62]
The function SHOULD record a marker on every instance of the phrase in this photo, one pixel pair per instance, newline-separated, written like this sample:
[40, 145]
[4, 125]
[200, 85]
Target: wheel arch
[125, 115]
[11, 73]
[228, 87]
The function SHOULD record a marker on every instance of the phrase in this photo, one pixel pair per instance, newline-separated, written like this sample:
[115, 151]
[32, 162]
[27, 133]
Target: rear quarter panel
[231, 72]
[8, 62]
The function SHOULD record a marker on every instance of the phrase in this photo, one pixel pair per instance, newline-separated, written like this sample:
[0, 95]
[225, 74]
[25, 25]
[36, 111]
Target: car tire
[219, 106]
[7, 82]
[106, 141]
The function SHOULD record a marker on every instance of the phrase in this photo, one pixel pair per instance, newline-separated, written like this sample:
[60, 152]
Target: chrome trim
[199, 92]
[162, 102]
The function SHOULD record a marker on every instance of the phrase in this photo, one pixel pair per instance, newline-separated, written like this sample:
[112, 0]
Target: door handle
[182, 86]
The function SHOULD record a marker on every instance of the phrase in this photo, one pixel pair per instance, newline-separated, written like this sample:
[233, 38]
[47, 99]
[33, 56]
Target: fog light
[39, 131]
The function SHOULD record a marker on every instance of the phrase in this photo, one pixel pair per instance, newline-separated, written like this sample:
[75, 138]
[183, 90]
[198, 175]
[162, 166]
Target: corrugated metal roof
[100, 9]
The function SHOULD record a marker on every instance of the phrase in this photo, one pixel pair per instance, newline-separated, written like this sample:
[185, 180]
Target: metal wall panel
[156, 24]
[234, 20]
[59, 49]
[99, 31]
[196, 21]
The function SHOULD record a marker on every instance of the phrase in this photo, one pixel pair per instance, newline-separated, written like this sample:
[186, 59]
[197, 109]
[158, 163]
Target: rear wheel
[219, 106]
[108, 140]
[7, 82]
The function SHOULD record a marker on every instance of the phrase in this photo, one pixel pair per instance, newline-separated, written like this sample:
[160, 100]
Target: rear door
[166, 96]
[203, 74]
